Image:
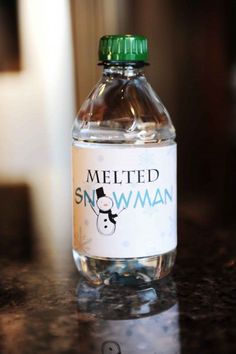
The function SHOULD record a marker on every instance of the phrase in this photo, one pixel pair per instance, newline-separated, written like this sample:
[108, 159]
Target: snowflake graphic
[171, 225]
[100, 158]
[170, 229]
[83, 242]
[150, 212]
[125, 243]
[146, 158]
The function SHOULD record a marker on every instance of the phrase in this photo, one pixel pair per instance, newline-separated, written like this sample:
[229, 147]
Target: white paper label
[124, 200]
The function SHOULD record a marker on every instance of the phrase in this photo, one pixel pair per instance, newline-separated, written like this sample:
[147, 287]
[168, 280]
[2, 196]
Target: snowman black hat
[100, 192]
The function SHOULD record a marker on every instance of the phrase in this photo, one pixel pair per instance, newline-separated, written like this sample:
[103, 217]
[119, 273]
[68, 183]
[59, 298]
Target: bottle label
[124, 200]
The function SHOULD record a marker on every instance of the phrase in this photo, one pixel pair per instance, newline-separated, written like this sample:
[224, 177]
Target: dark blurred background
[48, 57]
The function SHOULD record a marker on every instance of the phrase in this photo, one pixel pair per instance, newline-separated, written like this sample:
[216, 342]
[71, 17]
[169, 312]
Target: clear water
[126, 271]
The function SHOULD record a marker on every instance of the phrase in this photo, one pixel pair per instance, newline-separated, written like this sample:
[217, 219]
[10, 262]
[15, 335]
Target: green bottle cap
[123, 48]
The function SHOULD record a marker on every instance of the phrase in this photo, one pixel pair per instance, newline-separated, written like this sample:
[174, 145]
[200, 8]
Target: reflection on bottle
[127, 320]
[110, 348]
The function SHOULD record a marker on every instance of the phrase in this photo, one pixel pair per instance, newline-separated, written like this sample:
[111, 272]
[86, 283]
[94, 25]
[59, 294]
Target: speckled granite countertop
[46, 308]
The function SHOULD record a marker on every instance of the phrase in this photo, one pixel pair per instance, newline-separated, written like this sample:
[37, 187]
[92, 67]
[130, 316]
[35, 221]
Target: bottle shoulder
[123, 109]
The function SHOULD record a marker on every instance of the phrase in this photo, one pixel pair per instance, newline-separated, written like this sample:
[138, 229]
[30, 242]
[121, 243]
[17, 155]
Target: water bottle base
[130, 271]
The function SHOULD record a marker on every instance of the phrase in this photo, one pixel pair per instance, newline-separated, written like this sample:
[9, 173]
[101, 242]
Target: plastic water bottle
[124, 172]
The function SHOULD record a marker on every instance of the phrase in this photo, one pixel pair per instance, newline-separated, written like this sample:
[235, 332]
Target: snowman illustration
[106, 223]
[111, 348]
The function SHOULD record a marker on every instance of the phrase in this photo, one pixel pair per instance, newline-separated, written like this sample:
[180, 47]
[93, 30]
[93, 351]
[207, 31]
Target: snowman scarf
[110, 215]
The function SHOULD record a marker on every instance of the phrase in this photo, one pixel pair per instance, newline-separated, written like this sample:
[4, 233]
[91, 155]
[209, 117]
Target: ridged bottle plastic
[124, 173]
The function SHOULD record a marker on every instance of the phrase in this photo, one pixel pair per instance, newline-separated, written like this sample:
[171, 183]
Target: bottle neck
[123, 70]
